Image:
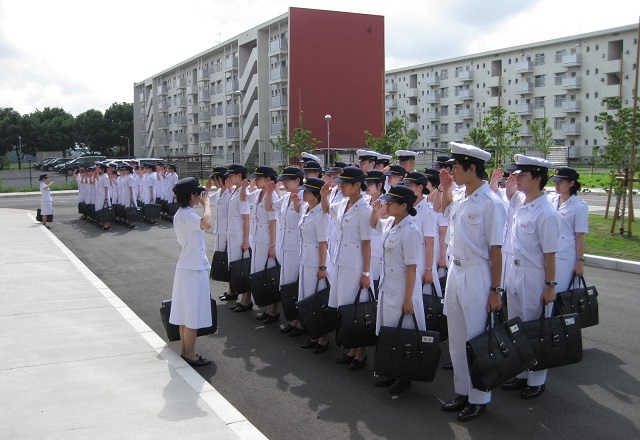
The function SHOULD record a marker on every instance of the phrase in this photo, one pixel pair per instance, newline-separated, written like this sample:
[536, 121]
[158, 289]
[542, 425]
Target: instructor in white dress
[46, 202]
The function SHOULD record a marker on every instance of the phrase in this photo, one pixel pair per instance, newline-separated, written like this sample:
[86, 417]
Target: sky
[81, 55]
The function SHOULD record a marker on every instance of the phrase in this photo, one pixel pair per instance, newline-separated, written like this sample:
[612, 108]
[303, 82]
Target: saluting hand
[325, 190]
[208, 185]
[204, 199]
[271, 186]
[296, 202]
[495, 176]
[244, 184]
[446, 179]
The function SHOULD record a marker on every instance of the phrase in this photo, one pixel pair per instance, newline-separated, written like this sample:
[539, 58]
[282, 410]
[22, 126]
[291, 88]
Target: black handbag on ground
[133, 214]
[443, 279]
[106, 214]
[555, 341]
[434, 312]
[220, 266]
[314, 313]
[39, 216]
[240, 274]
[151, 210]
[580, 299]
[265, 285]
[172, 208]
[119, 211]
[499, 354]
[81, 206]
[356, 323]
[289, 296]
[173, 331]
[409, 354]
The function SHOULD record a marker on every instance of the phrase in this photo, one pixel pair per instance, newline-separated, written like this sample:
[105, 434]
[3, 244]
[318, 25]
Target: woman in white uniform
[190, 298]
[375, 180]
[315, 265]
[220, 201]
[46, 202]
[351, 275]
[401, 287]
[574, 223]
[102, 192]
[439, 245]
[264, 227]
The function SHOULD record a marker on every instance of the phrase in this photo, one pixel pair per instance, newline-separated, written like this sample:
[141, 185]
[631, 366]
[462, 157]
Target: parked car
[85, 161]
[52, 164]
[39, 163]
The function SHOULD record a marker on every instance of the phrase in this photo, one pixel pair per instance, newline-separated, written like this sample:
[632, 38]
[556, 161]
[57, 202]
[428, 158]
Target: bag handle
[318, 283]
[266, 263]
[359, 291]
[417, 331]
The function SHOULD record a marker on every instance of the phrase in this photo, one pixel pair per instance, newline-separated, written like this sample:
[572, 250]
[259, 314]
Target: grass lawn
[600, 242]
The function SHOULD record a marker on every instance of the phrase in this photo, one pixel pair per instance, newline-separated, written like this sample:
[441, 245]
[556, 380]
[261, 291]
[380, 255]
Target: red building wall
[336, 67]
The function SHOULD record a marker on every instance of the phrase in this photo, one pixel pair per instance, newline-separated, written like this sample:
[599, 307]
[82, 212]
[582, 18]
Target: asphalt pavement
[287, 392]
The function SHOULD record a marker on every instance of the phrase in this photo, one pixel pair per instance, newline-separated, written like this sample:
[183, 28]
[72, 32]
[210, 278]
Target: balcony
[524, 88]
[571, 129]
[180, 120]
[462, 132]
[279, 73]
[215, 67]
[231, 86]
[163, 123]
[193, 129]
[391, 103]
[464, 94]
[164, 141]
[572, 60]
[192, 88]
[231, 63]
[524, 67]
[279, 45]
[204, 116]
[433, 133]
[492, 102]
[214, 89]
[203, 74]
[278, 101]
[232, 110]
[571, 83]
[411, 109]
[465, 113]
[613, 66]
[180, 83]
[203, 96]
[612, 91]
[192, 110]
[218, 111]
[181, 138]
[571, 106]
[433, 80]
[163, 107]
[232, 133]
[204, 136]
[390, 87]
[465, 75]
[525, 131]
[162, 90]
[524, 109]
[433, 98]
[180, 101]
[433, 116]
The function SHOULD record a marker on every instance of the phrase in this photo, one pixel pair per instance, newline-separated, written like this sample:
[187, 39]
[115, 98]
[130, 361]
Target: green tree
[301, 140]
[10, 124]
[479, 137]
[397, 136]
[281, 143]
[118, 126]
[90, 131]
[616, 128]
[51, 129]
[503, 130]
[542, 136]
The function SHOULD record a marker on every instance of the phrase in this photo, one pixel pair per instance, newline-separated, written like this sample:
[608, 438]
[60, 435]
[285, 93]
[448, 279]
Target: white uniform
[475, 224]
[353, 228]
[426, 220]
[403, 245]
[335, 197]
[128, 187]
[235, 229]
[260, 231]
[376, 253]
[46, 202]
[288, 238]
[102, 200]
[190, 298]
[314, 229]
[574, 219]
[535, 232]
[220, 203]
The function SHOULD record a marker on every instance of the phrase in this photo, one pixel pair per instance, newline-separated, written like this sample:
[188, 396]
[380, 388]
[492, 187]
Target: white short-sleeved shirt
[353, 228]
[45, 192]
[475, 223]
[574, 219]
[220, 203]
[237, 209]
[260, 219]
[403, 245]
[288, 234]
[535, 231]
[193, 250]
[314, 229]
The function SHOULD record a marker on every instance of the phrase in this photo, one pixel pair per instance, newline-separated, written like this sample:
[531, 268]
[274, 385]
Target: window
[586, 119]
[596, 71]
[538, 102]
[597, 46]
[557, 123]
[595, 142]
[444, 74]
[557, 79]
[538, 59]
[558, 100]
[586, 141]
[539, 81]
[444, 128]
[559, 54]
[595, 95]
[595, 118]
[588, 49]
[586, 96]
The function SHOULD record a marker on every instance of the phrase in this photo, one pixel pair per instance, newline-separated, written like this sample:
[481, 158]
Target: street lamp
[239, 94]
[328, 119]
[128, 149]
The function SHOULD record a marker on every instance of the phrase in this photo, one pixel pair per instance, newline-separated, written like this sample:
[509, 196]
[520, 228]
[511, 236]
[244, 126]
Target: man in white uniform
[477, 218]
[407, 159]
[367, 160]
[382, 162]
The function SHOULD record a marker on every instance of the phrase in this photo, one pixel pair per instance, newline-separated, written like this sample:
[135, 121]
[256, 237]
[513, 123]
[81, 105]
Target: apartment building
[231, 100]
[563, 80]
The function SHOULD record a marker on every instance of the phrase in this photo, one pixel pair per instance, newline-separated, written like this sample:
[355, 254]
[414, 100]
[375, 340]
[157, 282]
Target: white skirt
[308, 282]
[46, 207]
[191, 299]
[259, 257]
[289, 266]
[345, 282]
[221, 242]
[390, 310]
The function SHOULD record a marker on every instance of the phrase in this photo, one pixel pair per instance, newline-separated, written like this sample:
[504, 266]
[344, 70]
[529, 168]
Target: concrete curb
[612, 263]
[235, 421]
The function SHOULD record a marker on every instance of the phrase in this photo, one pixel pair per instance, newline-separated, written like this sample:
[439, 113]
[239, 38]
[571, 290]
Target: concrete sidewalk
[77, 363]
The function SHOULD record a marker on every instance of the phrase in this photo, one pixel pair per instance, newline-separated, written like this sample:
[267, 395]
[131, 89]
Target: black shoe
[356, 364]
[448, 366]
[226, 296]
[240, 308]
[471, 411]
[456, 404]
[514, 384]
[309, 344]
[320, 348]
[532, 392]
[400, 386]
[200, 362]
[288, 329]
[270, 319]
[384, 383]
[345, 359]
[297, 332]
[262, 316]
[233, 307]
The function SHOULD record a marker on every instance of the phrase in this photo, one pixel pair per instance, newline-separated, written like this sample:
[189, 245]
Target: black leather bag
[106, 214]
[499, 354]
[434, 311]
[356, 323]
[240, 274]
[220, 266]
[314, 313]
[443, 279]
[580, 299]
[172, 208]
[555, 341]
[151, 210]
[119, 210]
[410, 354]
[265, 285]
[289, 295]
[81, 206]
[39, 216]
[133, 214]
[173, 331]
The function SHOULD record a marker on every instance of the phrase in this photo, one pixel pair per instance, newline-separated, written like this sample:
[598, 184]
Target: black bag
[499, 354]
[240, 274]
[316, 316]
[133, 214]
[81, 206]
[580, 299]
[555, 341]
[443, 279]
[434, 312]
[39, 216]
[356, 323]
[172, 208]
[119, 211]
[173, 331]
[151, 210]
[106, 214]
[289, 295]
[265, 285]
[220, 266]
[404, 353]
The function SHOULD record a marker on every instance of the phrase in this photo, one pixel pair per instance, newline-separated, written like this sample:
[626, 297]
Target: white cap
[367, 155]
[406, 154]
[382, 157]
[468, 152]
[523, 163]
[308, 156]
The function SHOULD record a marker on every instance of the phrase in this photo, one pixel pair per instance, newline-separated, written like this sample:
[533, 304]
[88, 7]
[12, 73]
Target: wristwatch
[551, 283]
[366, 274]
[322, 267]
[498, 290]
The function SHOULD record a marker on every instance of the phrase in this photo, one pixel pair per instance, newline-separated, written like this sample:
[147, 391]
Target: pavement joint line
[70, 361]
[197, 383]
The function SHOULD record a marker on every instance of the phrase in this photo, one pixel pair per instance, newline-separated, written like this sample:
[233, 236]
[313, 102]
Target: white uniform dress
[574, 219]
[426, 220]
[220, 203]
[190, 299]
[102, 201]
[260, 231]
[46, 202]
[314, 229]
[288, 238]
[335, 197]
[535, 232]
[353, 228]
[235, 229]
[403, 245]
[475, 224]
